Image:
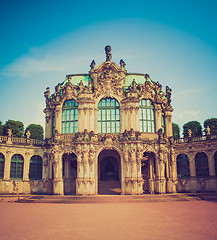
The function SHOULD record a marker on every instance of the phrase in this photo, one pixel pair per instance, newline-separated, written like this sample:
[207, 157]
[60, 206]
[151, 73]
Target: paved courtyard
[108, 221]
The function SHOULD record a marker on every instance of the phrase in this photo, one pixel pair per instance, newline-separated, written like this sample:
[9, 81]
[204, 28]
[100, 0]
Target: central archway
[69, 172]
[109, 173]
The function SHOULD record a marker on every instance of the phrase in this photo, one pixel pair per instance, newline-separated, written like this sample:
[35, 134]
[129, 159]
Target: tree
[1, 129]
[176, 131]
[16, 126]
[37, 131]
[195, 127]
[212, 123]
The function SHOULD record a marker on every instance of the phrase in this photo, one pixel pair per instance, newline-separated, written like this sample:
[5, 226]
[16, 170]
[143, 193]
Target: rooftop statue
[108, 53]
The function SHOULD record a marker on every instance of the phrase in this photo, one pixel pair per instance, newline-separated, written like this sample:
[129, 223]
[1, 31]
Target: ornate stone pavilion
[108, 132]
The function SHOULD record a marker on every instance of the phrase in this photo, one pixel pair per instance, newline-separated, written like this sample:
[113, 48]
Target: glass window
[163, 122]
[70, 117]
[146, 113]
[183, 170]
[108, 116]
[201, 165]
[53, 123]
[35, 168]
[16, 171]
[2, 165]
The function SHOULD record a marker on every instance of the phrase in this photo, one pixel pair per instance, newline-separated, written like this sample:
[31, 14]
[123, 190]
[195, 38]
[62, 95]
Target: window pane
[110, 114]
[146, 113]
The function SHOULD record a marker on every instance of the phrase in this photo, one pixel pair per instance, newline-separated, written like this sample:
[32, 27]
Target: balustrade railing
[22, 141]
[195, 139]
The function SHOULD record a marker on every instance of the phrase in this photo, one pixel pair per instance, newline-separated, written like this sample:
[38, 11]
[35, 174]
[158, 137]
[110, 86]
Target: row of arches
[201, 165]
[17, 167]
[109, 172]
[108, 116]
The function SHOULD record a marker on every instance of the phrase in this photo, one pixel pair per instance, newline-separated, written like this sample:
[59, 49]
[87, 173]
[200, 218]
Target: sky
[41, 42]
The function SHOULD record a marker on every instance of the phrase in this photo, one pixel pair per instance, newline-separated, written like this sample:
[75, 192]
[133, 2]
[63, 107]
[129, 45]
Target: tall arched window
[182, 162]
[2, 165]
[108, 116]
[215, 160]
[146, 113]
[53, 123]
[163, 122]
[16, 171]
[35, 168]
[70, 117]
[201, 165]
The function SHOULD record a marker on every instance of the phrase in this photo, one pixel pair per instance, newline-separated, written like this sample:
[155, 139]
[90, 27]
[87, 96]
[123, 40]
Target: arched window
[146, 113]
[201, 165]
[182, 162]
[16, 171]
[35, 168]
[163, 122]
[70, 117]
[215, 160]
[53, 124]
[2, 165]
[108, 116]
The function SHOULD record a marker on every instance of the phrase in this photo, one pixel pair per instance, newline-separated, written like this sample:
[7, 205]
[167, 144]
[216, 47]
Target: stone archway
[148, 171]
[69, 171]
[109, 173]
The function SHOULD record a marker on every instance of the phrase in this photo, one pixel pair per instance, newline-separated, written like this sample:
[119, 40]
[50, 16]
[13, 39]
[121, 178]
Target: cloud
[191, 91]
[188, 114]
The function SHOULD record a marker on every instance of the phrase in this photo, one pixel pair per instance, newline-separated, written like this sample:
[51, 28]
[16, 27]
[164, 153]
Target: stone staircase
[100, 199]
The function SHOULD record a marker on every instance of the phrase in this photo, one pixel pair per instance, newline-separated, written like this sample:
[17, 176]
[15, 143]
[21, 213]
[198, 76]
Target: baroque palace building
[108, 132]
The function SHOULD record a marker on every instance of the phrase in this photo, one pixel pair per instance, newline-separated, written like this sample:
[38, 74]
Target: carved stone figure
[9, 132]
[168, 94]
[189, 133]
[108, 53]
[81, 86]
[122, 63]
[92, 65]
[28, 134]
[208, 130]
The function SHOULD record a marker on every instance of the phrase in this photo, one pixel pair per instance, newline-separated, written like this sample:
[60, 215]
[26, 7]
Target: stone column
[26, 166]
[126, 172]
[137, 127]
[7, 166]
[58, 178]
[96, 120]
[133, 170]
[92, 188]
[193, 179]
[58, 117]
[212, 183]
[80, 172]
[80, 118]
[158, 117]
[48, 123]
[92, 118]
[85, 117]
[122, 118]
[125, 119]
[161, 181]
[151, 181]
[168, 123]
[139, 155]
[131, 117]
[211, 163]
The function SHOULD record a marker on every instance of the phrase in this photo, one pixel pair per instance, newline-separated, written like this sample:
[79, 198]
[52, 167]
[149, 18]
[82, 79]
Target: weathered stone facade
[107, 149]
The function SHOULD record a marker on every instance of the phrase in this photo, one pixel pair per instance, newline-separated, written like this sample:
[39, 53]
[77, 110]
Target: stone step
[70, 199]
